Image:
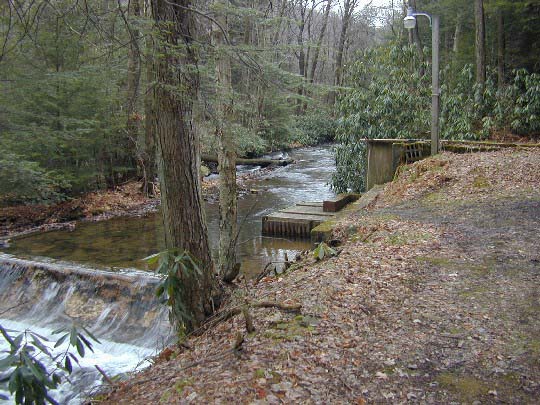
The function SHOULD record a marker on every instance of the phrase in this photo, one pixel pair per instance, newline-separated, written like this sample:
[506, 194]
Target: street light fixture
[409, 22]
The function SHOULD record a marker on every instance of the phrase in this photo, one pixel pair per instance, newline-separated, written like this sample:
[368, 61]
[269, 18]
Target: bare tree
[226, 151]
[480, 43]
[322, 32]
[348, 10]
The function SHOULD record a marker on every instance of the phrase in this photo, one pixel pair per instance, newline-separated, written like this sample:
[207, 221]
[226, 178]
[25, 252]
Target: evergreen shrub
[314, 128]
[25, 181]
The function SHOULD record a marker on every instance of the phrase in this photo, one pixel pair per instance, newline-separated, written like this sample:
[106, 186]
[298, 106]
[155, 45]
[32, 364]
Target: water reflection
[122, 242]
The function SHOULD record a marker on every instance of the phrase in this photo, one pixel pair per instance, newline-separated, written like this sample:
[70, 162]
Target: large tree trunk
[176, 84]
[226, 155]
[480, 43]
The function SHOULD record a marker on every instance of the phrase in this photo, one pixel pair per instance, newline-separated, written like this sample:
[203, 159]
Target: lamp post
[409, 23]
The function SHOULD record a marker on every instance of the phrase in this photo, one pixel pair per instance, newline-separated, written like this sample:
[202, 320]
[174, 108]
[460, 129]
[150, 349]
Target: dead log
[251, 162]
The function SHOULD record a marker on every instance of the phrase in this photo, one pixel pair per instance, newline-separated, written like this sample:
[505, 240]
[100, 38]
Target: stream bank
[433, 298]
[44, 285]
[123, 241]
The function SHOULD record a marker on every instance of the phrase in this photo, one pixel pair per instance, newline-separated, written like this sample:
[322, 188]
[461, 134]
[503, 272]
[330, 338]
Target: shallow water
[123, 242]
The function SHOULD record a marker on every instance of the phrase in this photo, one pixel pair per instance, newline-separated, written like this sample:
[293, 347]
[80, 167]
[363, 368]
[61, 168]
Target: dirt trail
[434, 298]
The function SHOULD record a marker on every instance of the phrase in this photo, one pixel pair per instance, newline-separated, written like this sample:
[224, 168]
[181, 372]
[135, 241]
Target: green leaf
[80, 347]
[32, 365]
[160, 290]
[17, 342]
[39, 336]
[41, 346]
[91, 335]
[67, 365]
[57, 379]
[73, 336]
[6, 335]
[86, 342]
[152, 259]
[74, 358]
[60, 330]
[7, 362]
[61, 340]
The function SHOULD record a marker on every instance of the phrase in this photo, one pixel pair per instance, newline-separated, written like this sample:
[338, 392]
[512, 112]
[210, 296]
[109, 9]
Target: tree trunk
[418, 43]
[480, 43]
[133, 74]
[281, 14]
[226, 155]
[147, 142]
[301, 57]
[319, 42]
[176, 84]
[348, 9]
[145, 161]
[457, 35]
[501, 49]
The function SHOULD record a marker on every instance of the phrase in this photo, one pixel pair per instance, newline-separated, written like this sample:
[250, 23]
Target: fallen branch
[268, 269]
[251, 162]
[231, 313]
[277, 305]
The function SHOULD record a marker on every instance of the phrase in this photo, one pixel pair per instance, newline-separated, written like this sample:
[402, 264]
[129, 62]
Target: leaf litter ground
[434, 298]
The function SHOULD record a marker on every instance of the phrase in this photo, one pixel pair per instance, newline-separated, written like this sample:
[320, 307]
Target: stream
[119, 245]
[123, 242]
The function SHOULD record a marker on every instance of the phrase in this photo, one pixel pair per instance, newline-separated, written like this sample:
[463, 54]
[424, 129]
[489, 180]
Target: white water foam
[113, 358]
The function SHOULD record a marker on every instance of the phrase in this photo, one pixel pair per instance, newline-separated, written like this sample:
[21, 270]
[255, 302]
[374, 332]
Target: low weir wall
[121, 307]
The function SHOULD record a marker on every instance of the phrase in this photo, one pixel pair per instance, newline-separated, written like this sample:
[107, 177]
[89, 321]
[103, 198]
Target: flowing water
[120, 308]
[119, 305]
[123, 242]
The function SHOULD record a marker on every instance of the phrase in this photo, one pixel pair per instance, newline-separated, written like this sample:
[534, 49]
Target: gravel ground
[433, 298]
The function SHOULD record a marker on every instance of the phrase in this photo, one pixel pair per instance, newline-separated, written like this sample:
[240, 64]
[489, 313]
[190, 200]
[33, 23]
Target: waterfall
[119, 308]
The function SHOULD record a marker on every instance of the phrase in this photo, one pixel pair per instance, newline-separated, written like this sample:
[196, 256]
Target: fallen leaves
[408, 302]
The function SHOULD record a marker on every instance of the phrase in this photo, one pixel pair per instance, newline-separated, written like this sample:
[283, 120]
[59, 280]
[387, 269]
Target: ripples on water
[122, 242]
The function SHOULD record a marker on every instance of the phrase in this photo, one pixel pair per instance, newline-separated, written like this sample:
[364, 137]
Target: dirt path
[434, 298]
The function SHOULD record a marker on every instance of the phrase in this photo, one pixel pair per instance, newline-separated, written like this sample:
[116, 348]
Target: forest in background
[96, 93]
[75, 105]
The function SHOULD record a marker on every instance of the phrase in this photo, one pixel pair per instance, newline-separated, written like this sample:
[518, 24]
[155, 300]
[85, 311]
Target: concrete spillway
[120, 309]
[300, 219]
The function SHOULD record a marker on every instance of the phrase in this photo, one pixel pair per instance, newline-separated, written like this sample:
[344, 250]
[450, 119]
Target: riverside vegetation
[96, 93]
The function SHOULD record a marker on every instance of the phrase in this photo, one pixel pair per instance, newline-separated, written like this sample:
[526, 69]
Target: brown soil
[432, 299]
[124, 200]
